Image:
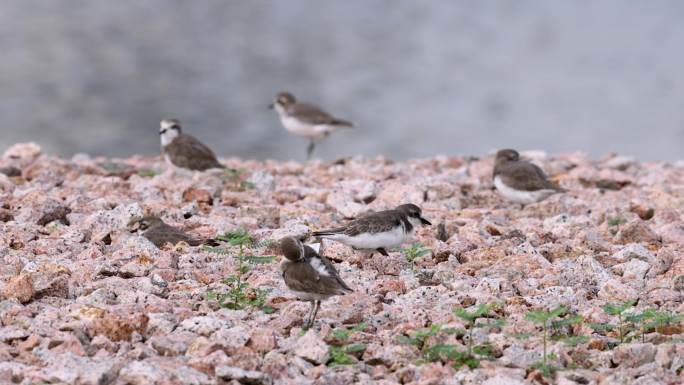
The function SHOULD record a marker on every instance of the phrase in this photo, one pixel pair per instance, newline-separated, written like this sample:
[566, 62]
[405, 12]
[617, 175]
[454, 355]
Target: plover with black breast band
[379, 230]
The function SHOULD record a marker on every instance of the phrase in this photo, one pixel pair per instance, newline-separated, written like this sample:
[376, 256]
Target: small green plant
[414, 251]
[240, 294]
[343, 354]
[616, 221]
[473, 352]
[618, 310]
[663, 319]
[450, 353]
[552, 320]
[235, 177]
[147, 173]
[641, 322]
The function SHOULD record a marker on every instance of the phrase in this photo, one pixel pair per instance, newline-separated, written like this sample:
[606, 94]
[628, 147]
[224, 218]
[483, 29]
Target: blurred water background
[418, 77]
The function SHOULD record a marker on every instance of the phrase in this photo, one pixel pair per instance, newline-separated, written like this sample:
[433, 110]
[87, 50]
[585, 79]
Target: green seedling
[235, 178]
[147, 173]
[414, 251]
[240, 293]
[551, 320]
[615, 310]
[616, 221]
[471, 318]
[344, 354]
[450, 353]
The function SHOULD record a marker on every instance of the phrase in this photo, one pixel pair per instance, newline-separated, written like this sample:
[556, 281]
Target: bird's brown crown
[285, 99]
[292, 248]
[507, 155]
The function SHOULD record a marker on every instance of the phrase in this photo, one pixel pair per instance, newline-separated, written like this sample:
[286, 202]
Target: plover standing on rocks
[379, 230]
[159, 233]
[521, 181]
[185, 151]
[306, 120]
[310, 276]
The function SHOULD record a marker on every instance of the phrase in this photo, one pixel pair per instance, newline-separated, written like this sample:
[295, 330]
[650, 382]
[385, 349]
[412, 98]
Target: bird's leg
[308, 321]
[310, 149]
[382, 251]
[317, 306]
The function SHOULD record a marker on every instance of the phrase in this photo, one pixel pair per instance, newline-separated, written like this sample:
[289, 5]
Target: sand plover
[185, 151]
[521, 181]
[160, 233]
[310, 276]
[378, 231]
[306, 120]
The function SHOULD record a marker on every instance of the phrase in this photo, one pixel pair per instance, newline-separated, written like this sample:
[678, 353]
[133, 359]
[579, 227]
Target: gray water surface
[418, 77]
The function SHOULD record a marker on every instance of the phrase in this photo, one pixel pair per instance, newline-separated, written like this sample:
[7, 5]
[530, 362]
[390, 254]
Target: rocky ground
[85, 301]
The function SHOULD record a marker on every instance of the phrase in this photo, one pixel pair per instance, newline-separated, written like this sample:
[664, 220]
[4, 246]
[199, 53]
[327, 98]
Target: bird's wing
[327, 265]
[164, 234]
[373, 223]
[301, 276]
[525, 176]
[192, 154]
[314, 115]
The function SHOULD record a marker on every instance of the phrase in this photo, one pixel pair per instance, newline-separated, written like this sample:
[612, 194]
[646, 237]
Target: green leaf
[355, 348]
[340, 334]
[483, 350]
[602, 327]
[522, 336]
[428, 332]
[360, 327]
[475, 314]
[617, 309]
[575, 340]
[267, 309]
[568, 321]
[261, 259]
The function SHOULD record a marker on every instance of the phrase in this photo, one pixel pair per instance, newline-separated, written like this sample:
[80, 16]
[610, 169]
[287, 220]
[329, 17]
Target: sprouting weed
[553, 320]
[344, 353]
[147, 173]
[414, 251]
[450, 353]
[616, 221]
[235, 179]
[240, 294]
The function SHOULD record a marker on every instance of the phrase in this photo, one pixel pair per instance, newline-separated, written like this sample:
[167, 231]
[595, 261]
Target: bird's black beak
[271, 106]
[161, 132]
[424, 221]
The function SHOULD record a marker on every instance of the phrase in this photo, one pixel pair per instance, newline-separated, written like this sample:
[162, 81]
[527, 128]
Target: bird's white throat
[168, 136]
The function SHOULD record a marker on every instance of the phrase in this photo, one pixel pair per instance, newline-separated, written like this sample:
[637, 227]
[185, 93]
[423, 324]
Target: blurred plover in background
[306, 120]
[521, 181]
[379, 230]
[185, 151]
[310, 276]
[159, 233]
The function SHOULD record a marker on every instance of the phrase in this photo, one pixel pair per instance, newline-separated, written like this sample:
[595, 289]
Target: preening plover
[310, 276]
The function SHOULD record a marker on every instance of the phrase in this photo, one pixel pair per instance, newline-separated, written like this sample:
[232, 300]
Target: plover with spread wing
[310, 276]
[379, 230]
[521, 181]
[306, 119]
[159, 233]
[185, 151]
